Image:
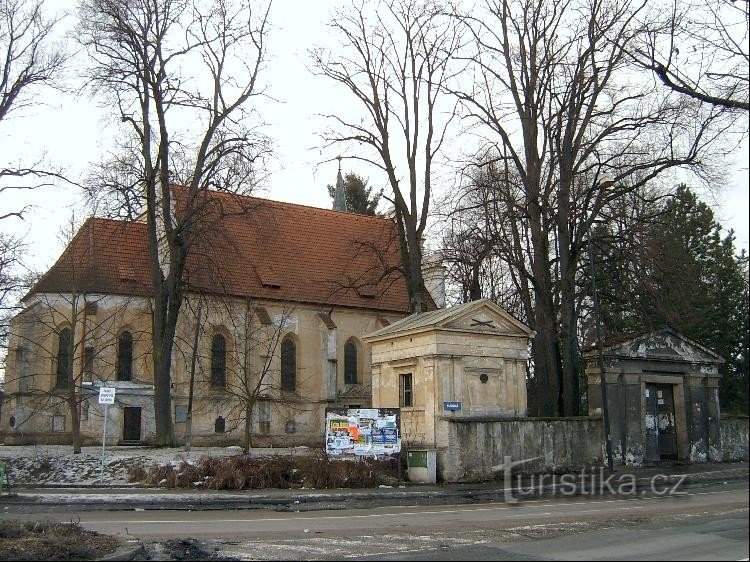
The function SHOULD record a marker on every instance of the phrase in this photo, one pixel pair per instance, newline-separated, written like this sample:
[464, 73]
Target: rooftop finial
[339, 195]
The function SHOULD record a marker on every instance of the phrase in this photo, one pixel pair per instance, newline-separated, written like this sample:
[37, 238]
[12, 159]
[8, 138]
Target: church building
[278, 298]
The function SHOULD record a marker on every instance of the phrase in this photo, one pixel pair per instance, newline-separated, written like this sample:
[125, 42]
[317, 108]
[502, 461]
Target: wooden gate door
[661, 437]
[131, 429]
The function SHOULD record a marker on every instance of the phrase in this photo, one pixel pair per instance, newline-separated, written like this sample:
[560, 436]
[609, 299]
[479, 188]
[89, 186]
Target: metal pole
[599, 345]
[104, 439]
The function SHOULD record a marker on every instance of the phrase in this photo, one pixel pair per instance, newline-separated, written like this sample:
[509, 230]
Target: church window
[406, 390]
[220, 425]
[288, 364]
[64, 359]
[88, 362]
[219, 360]
[125, 356]
[350, 362]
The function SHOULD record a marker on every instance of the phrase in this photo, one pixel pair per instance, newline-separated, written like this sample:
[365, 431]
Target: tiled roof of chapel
[251, 247]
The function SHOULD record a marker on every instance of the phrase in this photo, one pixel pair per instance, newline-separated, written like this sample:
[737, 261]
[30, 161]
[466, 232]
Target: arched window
[220, 425]
[64, 359]
[350, 362]
[219, 360]
[125, 357]
[288, 364]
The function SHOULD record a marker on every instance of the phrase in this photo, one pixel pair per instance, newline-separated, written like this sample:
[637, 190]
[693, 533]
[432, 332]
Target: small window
[58, 424]
[64, 359]
[288, 364]
[350, 363]
[125, 357]
[88, 363]
[264, 416]
[290, 427]
[406, 390]
[220, 425]
[180, 413]
[22, 371]
[219, 360]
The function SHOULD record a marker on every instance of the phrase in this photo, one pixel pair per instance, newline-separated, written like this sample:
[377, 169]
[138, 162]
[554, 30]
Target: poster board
[367, 432]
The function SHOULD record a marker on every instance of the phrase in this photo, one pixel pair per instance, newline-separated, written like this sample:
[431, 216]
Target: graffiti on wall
[362, 431]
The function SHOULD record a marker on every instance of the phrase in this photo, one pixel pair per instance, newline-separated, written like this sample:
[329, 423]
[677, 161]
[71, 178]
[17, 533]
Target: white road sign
[106, 395]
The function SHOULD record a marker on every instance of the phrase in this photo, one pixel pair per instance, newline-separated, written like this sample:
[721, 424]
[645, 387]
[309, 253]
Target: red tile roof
[250, 247]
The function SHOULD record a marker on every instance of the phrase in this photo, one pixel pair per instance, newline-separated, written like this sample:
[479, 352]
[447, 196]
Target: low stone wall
[477, 446]
[734, 438]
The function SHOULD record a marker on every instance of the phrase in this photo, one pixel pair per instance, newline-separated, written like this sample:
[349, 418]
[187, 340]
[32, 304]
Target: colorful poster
[362, 432]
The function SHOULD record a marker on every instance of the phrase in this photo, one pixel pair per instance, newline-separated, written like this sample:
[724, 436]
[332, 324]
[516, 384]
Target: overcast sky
[70, 130]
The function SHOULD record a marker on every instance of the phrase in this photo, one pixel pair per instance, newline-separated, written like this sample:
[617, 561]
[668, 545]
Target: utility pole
[600, 345]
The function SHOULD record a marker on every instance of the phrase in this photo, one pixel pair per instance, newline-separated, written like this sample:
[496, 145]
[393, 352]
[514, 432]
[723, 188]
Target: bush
[136, 473]
[242, 472]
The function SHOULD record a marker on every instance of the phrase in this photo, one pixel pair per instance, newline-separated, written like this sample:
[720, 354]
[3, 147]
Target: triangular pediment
[488, 318]
[482, 316]
[665, 344]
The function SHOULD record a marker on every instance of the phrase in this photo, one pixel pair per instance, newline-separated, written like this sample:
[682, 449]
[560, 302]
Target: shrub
[136, 472]
[242, 472]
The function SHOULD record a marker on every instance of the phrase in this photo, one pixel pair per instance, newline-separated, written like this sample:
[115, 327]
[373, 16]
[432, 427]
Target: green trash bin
[4, 482]
[421, 464]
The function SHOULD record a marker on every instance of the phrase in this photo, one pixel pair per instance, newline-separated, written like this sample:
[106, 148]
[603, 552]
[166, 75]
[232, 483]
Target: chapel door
[661, 437]
[131, 428]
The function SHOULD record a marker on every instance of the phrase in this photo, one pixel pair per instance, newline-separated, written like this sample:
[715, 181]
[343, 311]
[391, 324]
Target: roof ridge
[356, 216]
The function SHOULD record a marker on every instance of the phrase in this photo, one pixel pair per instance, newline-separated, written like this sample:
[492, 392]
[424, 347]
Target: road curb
[124, 552]
[294, 501]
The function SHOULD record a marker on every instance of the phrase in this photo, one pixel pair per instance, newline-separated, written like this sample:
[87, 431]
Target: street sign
[451, 406]
[106, 395]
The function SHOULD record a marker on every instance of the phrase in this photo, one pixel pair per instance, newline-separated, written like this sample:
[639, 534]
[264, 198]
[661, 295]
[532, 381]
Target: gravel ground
[56, 465]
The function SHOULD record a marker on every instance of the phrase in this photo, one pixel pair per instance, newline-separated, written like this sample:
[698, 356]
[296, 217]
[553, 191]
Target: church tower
[339, 195]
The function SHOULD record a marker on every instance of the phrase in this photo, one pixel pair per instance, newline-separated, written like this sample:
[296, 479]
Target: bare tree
[700, 49]
[486, 243]
[29, 60]
[180, 76]
[395, 61]
[552, 93]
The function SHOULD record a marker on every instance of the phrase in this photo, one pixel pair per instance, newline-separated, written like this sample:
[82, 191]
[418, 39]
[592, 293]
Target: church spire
[339, 195]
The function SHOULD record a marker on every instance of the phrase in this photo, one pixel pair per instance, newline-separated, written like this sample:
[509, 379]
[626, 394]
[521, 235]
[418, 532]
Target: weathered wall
[472, 354]
[734, 438]
[551, 444]
[291, 418]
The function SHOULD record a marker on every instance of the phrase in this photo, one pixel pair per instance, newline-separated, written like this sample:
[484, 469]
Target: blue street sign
[451, 406]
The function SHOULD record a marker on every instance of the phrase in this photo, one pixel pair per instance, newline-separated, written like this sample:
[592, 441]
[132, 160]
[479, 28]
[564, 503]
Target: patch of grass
[243, 472]
[34, 540]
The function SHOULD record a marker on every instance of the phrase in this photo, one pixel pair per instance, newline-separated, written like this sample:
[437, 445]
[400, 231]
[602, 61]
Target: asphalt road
[709, 523]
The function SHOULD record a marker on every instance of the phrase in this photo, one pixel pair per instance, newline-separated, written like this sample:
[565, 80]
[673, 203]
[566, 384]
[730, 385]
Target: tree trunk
[75, 425]
[248, 441]
[164, 325]
[193, 361]
[568, 318]
[545, 349]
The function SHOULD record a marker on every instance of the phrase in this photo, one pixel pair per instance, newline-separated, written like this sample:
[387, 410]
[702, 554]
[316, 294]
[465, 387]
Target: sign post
[106, 397]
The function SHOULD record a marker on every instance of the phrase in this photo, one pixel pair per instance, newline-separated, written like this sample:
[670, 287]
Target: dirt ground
[41, 540]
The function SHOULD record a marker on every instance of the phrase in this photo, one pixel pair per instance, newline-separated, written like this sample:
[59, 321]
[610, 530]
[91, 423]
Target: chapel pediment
[664, 344]
[482, 316]
[485, 319]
